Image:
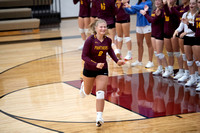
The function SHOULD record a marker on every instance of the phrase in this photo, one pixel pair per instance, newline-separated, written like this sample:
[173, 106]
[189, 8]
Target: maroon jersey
[180, 10]
[196, 27]
[95, 51]
[84, 10]
[157, 24]
[171, 22]
[106, 10]
[93, 10]
[121, 15]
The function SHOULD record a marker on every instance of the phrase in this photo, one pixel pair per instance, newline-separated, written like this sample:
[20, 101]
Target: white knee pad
[127, 39]
[197, 63]
[184, 57]
[115, 37]
[170, 54]
[81, 30]
[189, 63]
[113, 44]
[86, 31]
[161, 55]
[155, 53]
[177, 54]
[100, 95]
[119, 39]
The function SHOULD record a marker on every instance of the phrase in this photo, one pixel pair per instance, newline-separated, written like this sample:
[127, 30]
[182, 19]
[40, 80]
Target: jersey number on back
[197, 24]
[118, 4]
[81, 2]
[103, 6]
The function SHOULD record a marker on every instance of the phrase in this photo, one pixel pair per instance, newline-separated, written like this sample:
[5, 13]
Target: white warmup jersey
[184, 27]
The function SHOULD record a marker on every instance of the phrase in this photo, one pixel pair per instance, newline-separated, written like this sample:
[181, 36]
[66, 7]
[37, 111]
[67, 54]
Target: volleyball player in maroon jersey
[179, 11]
[106, 10]
[157, 34]
[184, 7]
[189, 41]
[84, 18]
[196, 49]
[94, 54]
[171, 43]
[123, 29]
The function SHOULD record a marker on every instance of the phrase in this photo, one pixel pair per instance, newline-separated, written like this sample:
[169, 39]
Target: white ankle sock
[99, 114]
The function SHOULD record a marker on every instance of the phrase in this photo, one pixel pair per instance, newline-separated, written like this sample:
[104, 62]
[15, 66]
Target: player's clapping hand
[164, 1]
[185, 21]
[158, 12]
[124, 1]
[126, 5]
[146, 8]
[143, 12]
[120, 62]
[100, 65]
[183, 34]
[175, 33]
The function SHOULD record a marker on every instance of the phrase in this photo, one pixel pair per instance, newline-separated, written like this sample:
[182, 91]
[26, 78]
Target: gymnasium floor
[40, 80]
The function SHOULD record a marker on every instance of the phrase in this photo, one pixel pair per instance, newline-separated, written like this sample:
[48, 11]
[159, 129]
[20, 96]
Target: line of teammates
[170, 26]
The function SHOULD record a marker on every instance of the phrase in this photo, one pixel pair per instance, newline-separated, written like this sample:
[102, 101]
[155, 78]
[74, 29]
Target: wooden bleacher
[14, 13]
[16, 17]
[27, 16]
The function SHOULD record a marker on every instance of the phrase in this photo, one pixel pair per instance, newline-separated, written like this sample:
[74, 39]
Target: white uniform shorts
[143, 30]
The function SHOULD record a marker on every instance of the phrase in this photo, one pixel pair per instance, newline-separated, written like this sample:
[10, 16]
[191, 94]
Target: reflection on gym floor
[150, 96]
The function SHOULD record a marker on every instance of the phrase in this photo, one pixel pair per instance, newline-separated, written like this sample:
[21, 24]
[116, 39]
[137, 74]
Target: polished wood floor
[40, 80]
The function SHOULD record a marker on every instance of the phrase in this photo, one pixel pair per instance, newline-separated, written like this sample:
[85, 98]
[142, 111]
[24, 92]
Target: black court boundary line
[145, 117]
[17, 118]
[50, 39]
[52, 120]
[49, 56]
[45, 39]
[63, 82]
[28, 88]
[110, 102]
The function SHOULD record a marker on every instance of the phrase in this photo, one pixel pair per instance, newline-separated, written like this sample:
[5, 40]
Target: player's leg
[196, 50]
[87, 84]
[140, 38]
[169, 48]
[127, 39]
[179, 57]
[101, 85]
[119, 40]
[150, 50]
[81, 30]
[86, 26]
[190, 63]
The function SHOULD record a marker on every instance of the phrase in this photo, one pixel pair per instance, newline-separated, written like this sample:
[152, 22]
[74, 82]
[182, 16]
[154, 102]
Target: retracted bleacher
[27, 16]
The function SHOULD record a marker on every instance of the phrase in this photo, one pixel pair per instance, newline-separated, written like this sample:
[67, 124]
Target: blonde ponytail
[94, 24]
